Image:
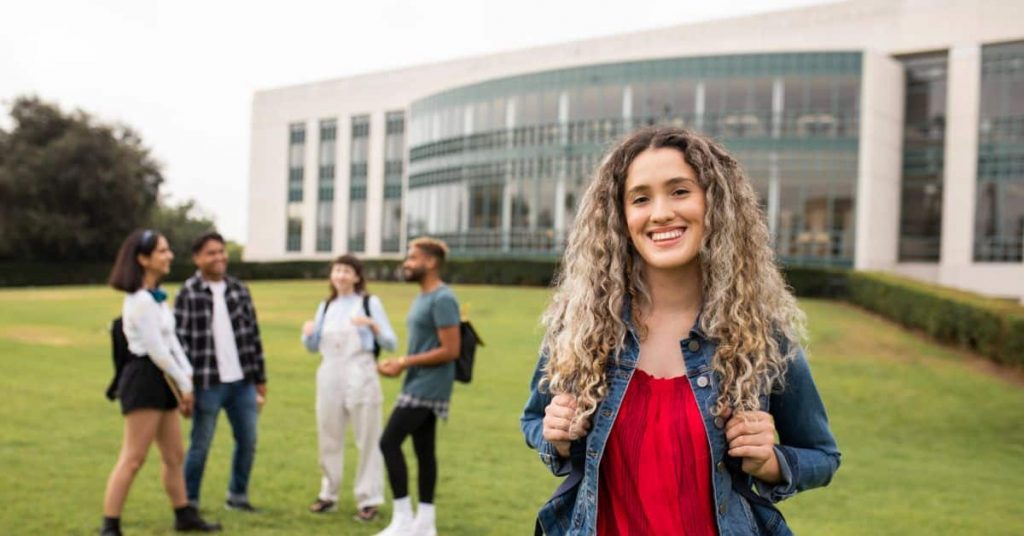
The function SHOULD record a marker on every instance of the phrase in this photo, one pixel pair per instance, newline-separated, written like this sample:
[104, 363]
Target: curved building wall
[498, 167]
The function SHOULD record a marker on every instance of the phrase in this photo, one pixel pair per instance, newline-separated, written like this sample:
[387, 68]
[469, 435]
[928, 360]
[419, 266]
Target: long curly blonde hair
[747, 308]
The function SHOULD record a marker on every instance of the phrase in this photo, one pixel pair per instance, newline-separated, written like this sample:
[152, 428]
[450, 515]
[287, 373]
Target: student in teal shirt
[433, 329]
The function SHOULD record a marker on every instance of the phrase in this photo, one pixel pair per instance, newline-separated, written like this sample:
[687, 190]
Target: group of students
[207, 355]
[349, 330]
[671, 389]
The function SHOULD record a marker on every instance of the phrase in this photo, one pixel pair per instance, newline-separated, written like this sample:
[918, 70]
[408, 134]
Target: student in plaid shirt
[216, 323]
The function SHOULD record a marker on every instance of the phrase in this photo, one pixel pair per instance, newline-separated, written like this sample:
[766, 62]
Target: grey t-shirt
[430, 311]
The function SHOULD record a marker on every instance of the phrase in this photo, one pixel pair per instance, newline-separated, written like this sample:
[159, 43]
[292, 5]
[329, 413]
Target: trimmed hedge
[806, 281]
[817, 282]
[992, 327]
[491, 271]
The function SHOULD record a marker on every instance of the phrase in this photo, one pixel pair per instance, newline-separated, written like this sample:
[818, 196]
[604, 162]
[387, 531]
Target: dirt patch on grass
[35, 335]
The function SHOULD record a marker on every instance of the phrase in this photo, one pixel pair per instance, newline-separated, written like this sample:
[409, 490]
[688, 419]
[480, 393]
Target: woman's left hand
[362, 321]
[751, 437]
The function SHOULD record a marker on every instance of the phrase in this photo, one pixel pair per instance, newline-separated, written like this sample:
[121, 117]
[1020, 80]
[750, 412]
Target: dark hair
[433, 247]
[201, 240]
[127, 273]
[355, 264]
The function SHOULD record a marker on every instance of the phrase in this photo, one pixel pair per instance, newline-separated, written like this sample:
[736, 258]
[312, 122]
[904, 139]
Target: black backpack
[119, 353]
[468, 341]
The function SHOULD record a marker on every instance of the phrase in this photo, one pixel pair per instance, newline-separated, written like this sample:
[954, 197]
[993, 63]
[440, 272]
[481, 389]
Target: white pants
[348, 391]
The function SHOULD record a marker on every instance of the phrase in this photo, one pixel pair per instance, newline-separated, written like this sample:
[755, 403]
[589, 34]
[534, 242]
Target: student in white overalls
[347, 385]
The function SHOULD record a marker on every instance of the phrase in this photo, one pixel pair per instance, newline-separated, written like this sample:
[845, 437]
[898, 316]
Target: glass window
[325, 226]
[924, 138]
[358, 156]
[357, 225]
[999, 212]
[807, 182]
[528, 109]
[296, 161]
[325, 186]
[294, 235]
[392, 222]
[394, 143]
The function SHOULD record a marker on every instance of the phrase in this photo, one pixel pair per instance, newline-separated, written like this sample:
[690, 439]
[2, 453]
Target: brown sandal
[366, 514]
[322, 507]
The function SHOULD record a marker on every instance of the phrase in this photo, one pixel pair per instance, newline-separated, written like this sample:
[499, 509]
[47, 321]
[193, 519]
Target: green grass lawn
[930, 445]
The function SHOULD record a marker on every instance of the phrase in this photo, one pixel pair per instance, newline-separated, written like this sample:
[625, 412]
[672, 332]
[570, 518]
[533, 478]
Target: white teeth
[667, 235]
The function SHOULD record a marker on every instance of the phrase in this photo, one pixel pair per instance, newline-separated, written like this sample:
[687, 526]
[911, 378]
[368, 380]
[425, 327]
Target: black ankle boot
[111, 526]
[186, 519]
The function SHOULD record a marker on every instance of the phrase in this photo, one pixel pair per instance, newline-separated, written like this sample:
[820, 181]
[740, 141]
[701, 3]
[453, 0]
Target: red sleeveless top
[656, 468]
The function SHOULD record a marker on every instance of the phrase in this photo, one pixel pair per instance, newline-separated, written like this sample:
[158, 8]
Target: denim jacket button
[722, 509]
[702, 381]
[720, 466]
[694, 346]
[719, 422]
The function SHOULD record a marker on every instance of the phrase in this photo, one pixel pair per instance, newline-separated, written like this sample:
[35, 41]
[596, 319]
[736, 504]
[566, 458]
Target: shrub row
[816, 282]
[994, 328]
[490, 271]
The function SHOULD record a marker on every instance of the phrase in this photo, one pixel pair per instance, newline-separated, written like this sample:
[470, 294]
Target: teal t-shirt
[430, 311]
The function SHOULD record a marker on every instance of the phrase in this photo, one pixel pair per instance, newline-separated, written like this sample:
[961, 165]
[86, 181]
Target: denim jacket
[807, 452]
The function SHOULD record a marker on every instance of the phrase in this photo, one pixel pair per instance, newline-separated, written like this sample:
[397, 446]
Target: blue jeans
[238, 399]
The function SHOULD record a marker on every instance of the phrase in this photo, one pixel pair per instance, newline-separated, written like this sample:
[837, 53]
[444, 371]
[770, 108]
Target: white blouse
[149, 328]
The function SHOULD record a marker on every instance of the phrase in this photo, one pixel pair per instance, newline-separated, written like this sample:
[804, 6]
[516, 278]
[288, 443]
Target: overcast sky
[182, 73]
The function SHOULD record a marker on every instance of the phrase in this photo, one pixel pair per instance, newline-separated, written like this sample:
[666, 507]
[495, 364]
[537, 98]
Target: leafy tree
[181, 224]
[71, 188]
[235, 251]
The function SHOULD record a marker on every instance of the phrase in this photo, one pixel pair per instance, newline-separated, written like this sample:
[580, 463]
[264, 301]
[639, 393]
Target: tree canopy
[72, 188]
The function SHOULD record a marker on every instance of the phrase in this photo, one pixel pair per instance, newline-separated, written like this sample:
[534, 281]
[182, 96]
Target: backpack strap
[366, 309]
[323, 317]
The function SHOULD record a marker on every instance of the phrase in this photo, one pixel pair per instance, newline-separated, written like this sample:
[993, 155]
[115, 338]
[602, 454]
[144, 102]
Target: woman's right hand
[187, 404]
[558, 429]
[307, 328]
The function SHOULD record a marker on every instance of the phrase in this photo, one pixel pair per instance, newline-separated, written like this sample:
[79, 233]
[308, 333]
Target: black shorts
[143, 386]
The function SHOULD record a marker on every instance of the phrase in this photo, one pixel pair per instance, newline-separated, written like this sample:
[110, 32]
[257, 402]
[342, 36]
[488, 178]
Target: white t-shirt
[228, 366]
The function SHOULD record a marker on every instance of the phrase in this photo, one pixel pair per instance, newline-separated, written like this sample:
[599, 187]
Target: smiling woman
[664, 208]
[154, 384]
[672, 356]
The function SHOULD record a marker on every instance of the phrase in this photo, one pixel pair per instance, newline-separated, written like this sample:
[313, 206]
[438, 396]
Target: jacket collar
[198, 283]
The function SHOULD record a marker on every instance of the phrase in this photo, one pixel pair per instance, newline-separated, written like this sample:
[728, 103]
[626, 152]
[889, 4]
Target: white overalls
[348, 390]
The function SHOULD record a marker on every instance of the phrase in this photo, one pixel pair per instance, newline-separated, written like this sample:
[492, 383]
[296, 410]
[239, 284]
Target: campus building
[880, 134]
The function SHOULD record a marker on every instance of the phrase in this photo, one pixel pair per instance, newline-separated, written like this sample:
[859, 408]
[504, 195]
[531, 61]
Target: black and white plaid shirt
[193, 311]
[439, 407]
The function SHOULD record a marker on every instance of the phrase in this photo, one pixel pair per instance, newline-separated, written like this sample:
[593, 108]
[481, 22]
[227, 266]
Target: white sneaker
[401, 525]
[423, 527]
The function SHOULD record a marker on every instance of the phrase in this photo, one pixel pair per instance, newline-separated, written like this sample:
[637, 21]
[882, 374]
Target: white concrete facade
[880, 29]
